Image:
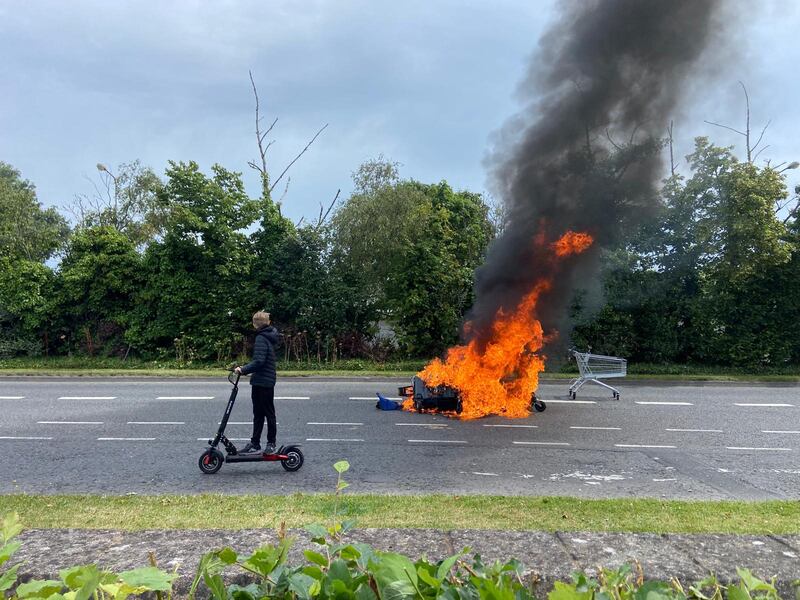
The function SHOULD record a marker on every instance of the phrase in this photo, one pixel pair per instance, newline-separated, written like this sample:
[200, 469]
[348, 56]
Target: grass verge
[211, 511]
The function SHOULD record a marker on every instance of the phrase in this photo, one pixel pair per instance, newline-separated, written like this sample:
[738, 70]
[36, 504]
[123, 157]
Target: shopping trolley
[594, 367]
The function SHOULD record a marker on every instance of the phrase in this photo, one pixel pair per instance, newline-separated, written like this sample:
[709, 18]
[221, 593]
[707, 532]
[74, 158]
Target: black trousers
[263, 407]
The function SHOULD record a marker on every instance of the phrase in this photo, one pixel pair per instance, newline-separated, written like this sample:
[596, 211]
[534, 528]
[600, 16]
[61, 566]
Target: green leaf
[8, 550]
[654, 590]
[398, 590]
[738, 592]
[448, 563]
[316, 557]
[365, 592]
[209, 564]
[342, 485]
[301, 585]
[342, 466]
[151, 578]
[264, 560]
[41, 588]
[314, 572]
[318, 532]
[227, 556]
[426, 577]
[11, 527]
[249, 592]
[216, 586]
[567, 591]
[8, 578]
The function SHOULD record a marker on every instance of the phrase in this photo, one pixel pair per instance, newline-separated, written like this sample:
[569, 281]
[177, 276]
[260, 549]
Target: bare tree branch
[671, 154]
[324, 217]
[613, 143]
[763, 131]
[725, 127]
[760, 151]
[296, 158]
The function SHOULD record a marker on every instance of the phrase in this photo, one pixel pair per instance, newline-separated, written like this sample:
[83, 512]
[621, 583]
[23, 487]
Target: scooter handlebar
[231, 373]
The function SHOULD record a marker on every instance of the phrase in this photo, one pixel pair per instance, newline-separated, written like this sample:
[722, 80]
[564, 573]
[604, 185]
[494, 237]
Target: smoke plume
[585, 155]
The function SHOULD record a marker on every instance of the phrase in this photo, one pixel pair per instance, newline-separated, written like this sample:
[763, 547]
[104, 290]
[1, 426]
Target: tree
[197, 276]
[29, 235]
[416, 247]
[98, 281]
[126, 200]
[27, 231]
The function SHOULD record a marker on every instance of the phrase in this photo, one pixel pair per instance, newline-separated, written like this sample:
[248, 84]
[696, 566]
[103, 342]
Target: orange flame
[500, 377]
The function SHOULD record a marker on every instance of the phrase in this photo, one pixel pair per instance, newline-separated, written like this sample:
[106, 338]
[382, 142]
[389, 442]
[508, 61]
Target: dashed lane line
[156, 423]
[654, 403]
[514, 426]
[754, 448]
[373, 397]
[595, 428]
[126, 439]
[320, 423]
[87, 398]
[12, 397]
[292, 397]
[20, 437]
[69, 422]
[437, 441]
[334, 440]
[764, 404]
[695, 430]
[642, 446]
[208, 437]
[786, 431]
[541, 443]
[657, 480]
[185, 397]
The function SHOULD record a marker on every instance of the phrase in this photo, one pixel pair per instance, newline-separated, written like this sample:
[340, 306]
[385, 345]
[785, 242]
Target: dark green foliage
[713, 279]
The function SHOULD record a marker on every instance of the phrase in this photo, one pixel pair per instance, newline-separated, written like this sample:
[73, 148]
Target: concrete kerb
[548, 556]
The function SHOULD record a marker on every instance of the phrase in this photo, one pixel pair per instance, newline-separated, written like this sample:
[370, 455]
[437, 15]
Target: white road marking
[318, 423]
[665, 479]
[373, 398]
[292, 398]
[768, 404]
[87, 398]
[542, 443]
[486, 474]
[695, 430]
[571, 401]
[156, 423]
[665, 403]
[515, 426]
[437, 442]
[184, 397]
[11, 397]
[641, 446]
[69, 422]
[596, 428]
[334, 440]
[779, 431]
[432, 425]
[747, 448]
[14, 437]
[125, 439]
[211, 437]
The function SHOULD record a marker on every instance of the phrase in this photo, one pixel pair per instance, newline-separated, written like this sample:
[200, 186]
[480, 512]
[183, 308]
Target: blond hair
[260, 319]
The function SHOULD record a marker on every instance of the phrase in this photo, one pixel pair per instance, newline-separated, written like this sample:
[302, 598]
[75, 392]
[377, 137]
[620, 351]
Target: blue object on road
[386, 404]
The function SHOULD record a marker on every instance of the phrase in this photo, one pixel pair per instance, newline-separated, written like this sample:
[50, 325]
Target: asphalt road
[117, 436]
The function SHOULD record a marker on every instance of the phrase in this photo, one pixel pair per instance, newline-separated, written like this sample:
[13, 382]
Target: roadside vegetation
[164, 271]
[135, 512]
[336, 568]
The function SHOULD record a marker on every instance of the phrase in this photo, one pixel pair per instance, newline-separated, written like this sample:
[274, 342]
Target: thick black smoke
[586, 155]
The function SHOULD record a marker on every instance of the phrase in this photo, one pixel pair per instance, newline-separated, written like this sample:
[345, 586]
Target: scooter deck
[254, 457]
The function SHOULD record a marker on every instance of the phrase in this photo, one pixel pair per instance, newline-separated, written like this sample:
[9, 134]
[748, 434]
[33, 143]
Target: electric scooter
[290, 457]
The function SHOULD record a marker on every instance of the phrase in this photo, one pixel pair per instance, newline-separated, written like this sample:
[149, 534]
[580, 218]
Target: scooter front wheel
[211, 461]
[293, 460]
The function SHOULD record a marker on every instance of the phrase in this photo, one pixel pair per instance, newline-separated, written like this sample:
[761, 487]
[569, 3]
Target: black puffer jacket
[263, 364]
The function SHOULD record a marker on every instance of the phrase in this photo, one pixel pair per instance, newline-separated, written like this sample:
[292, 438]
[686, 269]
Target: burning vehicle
[445, 399]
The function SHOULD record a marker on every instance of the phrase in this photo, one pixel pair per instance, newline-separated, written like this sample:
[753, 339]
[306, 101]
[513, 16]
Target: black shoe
[269, 449]
[250, 448]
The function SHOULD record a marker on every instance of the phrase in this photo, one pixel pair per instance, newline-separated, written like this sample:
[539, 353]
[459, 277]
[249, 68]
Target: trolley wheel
[293, 460]
[211, 461]
[573, 395]
[539, 405]
[459, 406]
[616, 395]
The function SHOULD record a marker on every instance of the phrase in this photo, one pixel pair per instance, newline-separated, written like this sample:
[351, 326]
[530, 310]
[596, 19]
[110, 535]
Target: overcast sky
[424, 83]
